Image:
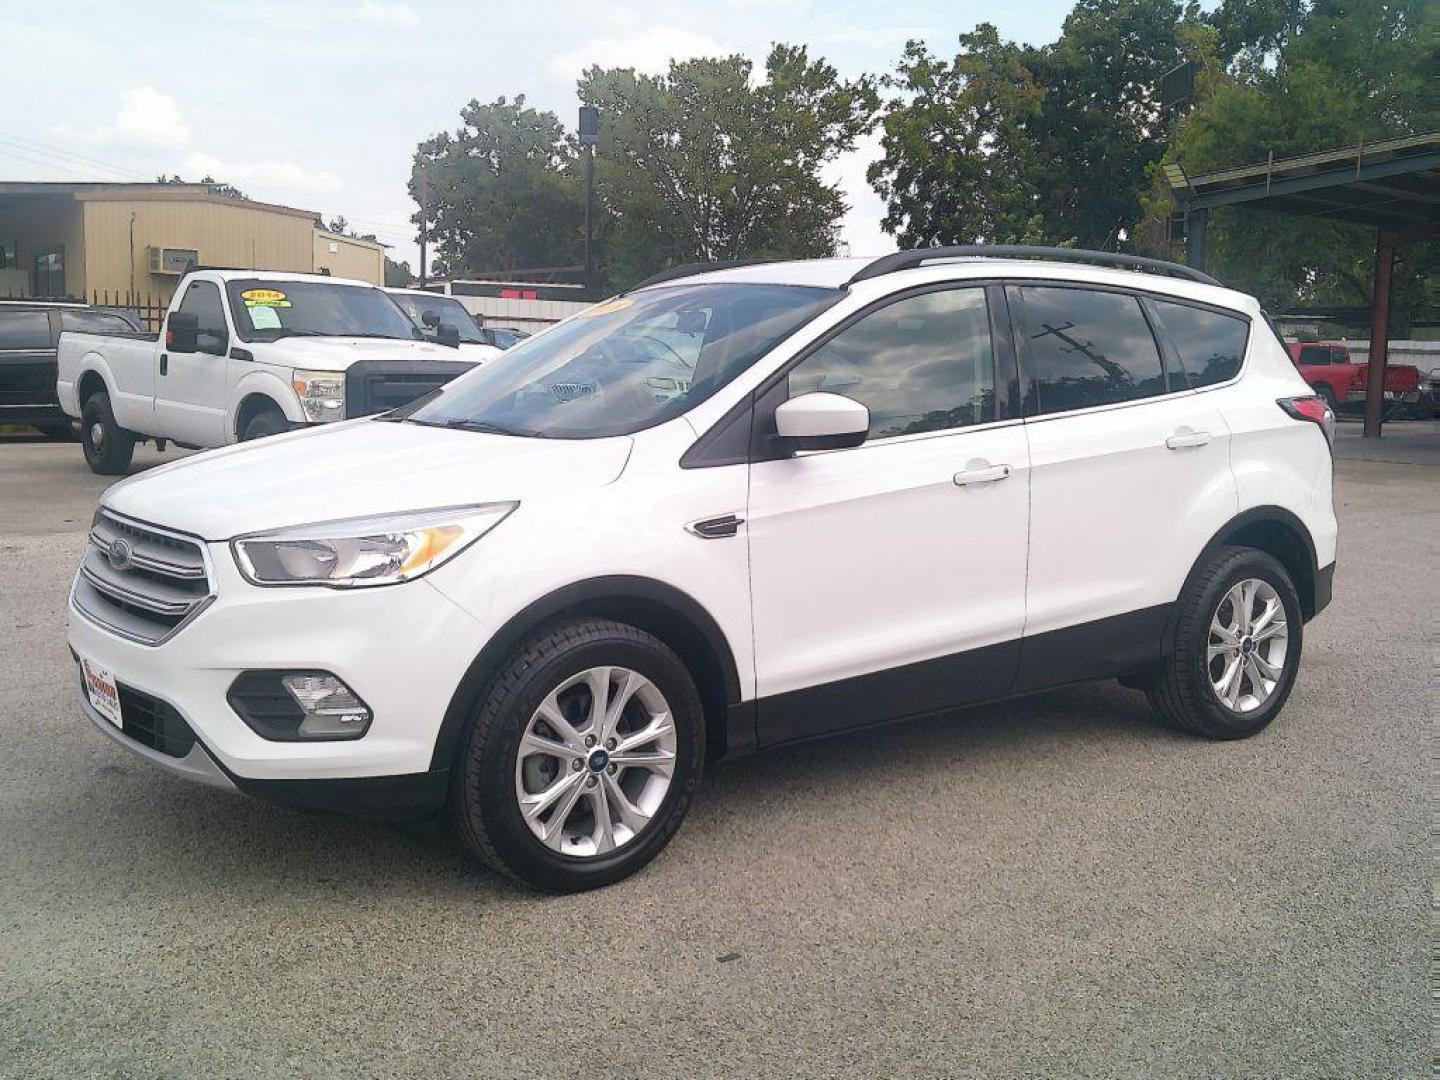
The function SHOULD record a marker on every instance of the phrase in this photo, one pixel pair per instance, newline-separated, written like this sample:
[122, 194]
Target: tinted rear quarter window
[1211, 345]
[95, 322]
[24, 330]
[1083, 348]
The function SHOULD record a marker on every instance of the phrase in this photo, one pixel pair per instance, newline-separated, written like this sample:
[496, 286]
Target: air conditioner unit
[173, 261]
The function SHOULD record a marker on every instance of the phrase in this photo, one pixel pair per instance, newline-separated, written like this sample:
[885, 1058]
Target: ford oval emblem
[120, 554]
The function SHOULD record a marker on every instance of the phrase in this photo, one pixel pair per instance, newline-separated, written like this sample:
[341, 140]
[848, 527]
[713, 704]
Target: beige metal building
[129, 244]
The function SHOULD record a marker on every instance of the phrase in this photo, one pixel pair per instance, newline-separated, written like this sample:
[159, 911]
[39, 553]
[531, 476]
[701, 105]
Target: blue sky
[319, 103]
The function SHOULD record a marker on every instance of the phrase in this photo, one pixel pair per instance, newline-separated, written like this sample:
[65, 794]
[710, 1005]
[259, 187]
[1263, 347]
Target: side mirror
[448, 334]
[821, 421]
[181, 331]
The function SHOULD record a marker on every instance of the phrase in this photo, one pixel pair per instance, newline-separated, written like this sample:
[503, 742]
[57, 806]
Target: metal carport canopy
[1392, 186]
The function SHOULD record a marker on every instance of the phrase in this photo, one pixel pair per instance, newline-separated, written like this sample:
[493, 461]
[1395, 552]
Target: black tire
[1328, 395]
[58, 430]
[266, 422]
[108, 447]
[1182, 693]
[484, 804]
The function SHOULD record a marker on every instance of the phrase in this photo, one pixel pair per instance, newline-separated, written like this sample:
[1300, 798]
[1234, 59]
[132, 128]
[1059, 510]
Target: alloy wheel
[595, 761]
[1248, 642]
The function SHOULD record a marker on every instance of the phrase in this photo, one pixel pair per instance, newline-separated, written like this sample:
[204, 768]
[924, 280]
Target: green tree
[701, 164]
[1346, 72]
[958, 164]
[1009, 143]
[501, 192]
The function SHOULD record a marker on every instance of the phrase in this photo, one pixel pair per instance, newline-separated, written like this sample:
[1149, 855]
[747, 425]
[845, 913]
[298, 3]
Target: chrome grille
[141, 582]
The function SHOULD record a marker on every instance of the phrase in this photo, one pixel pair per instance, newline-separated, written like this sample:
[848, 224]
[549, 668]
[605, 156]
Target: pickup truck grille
[141, 582]
[376, 386]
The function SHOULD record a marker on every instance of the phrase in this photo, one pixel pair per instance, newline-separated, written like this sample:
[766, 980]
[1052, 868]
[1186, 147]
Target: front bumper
[404, 649]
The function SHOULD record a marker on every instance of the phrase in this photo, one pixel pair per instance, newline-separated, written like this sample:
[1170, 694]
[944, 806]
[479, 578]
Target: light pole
[424, 186]
[589, 136]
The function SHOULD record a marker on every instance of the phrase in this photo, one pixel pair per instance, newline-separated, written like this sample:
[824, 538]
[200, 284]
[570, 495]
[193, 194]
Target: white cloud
[283, 175]
[147, 118]
[393, 16]
[648, 50]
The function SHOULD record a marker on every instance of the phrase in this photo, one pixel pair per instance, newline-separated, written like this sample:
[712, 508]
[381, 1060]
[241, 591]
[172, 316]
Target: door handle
[986, 475]
[164, 364]
[1181, 439]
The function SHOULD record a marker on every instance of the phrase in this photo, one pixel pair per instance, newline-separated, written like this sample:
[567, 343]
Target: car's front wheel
[1234, 647]
[582, 758]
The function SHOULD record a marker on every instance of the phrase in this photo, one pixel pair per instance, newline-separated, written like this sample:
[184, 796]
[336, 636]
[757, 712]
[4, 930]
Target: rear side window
[24, 330]
[96, 322]
[922, 363]
[1084, 348]
[1211, 345]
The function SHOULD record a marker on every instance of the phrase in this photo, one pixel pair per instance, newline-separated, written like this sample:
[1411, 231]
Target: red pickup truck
[1327, 367]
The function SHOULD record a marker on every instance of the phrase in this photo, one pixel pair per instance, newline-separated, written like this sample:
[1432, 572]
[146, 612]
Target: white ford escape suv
[724, 511]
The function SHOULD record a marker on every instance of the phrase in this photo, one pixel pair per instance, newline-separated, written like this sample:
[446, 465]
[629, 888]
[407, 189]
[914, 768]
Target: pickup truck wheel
[582, 757]
[1328, 396]
[267, 422]
[1234, 647]
[108, 447]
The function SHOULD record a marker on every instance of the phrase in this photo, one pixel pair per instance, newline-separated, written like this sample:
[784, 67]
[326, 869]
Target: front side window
[268, 310]
[1314, 354]
[922, 363]
[202, 299]
[627, 364]
[1211, 345]
[1083, 348]
[24, 330]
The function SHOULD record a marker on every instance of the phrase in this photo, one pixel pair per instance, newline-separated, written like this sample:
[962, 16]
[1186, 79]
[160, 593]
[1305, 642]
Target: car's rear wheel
[108, 447]
[1234, 647]
[59, 430]
[582, 757]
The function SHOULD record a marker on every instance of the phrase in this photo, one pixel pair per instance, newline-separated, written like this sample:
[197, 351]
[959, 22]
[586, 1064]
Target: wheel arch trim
[594, 596]
[1275, 517]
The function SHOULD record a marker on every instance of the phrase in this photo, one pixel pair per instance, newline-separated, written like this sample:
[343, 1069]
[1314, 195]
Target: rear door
[1130, 477]
[889, 579]
[191, 396]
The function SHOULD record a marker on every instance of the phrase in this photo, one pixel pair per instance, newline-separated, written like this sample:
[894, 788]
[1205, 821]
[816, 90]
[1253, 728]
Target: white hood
[355, 469]
[338, 353]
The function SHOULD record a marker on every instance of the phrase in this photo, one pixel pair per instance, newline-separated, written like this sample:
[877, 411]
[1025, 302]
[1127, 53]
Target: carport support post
[1197, 228]
[1379, 334]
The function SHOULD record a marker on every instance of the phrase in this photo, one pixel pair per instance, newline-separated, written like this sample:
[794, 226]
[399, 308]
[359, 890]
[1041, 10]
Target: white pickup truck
[243, 354]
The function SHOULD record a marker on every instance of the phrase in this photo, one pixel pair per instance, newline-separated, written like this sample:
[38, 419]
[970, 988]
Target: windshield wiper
[490, 429]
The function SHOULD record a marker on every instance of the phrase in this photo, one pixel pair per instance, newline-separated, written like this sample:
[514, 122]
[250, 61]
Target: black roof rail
[691, 269]
[907, 260]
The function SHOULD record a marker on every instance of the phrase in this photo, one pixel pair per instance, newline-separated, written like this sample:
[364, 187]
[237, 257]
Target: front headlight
[358, 552]
[322, 395]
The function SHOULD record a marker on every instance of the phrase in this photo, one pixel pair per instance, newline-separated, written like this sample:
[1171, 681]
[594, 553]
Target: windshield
[268, 310]
[440, 309]
[626, 364]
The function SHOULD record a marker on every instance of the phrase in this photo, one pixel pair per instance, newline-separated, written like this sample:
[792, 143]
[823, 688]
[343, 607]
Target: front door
[191, 387]
[889, 579]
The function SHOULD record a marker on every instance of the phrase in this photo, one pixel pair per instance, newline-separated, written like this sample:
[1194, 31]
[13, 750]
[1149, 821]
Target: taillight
[1312, 409]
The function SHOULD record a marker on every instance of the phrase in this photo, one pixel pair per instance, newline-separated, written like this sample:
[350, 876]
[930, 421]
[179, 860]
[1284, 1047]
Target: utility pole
[424, 186]
[589, 136]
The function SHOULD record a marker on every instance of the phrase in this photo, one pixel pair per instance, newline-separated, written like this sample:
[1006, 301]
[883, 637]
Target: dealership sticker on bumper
[100, 688]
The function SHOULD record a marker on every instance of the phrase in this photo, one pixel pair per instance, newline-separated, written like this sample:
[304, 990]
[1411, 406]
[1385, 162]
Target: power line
[37, 147]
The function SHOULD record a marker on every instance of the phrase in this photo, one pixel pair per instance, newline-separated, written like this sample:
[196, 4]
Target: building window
[49, 279]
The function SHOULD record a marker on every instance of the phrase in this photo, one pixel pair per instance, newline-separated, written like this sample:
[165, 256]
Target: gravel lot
[1047, 888]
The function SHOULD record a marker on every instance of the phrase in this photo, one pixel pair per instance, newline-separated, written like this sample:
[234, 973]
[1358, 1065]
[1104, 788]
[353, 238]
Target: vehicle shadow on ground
[221, 840]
